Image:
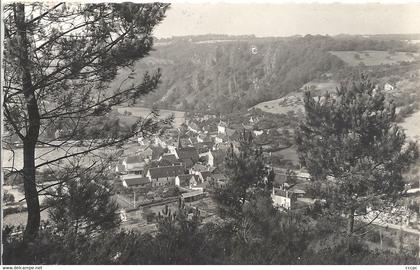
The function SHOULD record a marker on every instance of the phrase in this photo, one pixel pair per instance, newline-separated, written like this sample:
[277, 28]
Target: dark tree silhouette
[59, 62]
[353, 148]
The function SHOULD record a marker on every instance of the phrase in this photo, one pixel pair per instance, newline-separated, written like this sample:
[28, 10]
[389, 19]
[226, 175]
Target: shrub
[8, 198]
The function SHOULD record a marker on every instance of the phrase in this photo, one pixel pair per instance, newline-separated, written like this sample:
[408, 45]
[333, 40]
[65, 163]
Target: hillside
[226, 74]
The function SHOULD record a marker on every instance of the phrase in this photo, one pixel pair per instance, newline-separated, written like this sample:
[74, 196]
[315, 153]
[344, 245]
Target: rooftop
[188, 152]
[135, 180]
[134, 159]
[219, 176]
[166, 171]
[191, 194]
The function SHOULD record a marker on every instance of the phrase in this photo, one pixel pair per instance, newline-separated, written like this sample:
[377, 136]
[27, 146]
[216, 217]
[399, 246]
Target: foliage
[246, 172]
[8, 198]
[82, 206]
[59, 62]
[353, 148]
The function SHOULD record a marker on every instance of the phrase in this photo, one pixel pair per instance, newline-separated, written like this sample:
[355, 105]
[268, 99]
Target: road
[391, 225]
[397, 227]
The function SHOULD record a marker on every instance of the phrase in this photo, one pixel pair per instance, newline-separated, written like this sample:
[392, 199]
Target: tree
[59, 62]
[83, 206]
[353, 149]
[8, 198]
[246, 172]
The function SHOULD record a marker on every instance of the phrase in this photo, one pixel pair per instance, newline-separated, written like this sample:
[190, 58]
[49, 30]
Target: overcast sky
[289, 19]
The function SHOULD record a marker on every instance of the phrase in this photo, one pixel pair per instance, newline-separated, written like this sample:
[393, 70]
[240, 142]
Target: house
[283, 199]
[134, 180]
[215, 158]
[187, 153]
[190, 181]
[203, 176]
[192, 196]
[187, 163]
[197, 168]
[258, 132]
[204, 138]
[203, 147]
[134, 164]
[220, 138]
[170, 159]
[120, 168]
[150, 152]
[196, 183]
[221, 127]
[172, 145]
[193, 127]
[303, 175]
[300, 193]
[184, 180]
[160, 142]
[161, 176]
[388, 87]
[218, 179]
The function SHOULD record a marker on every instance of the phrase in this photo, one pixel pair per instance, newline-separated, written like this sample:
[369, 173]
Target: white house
[214, 158]
[258, 132]
[184, 180]
[221, 127]
[197, 168]
[283, 199]
[388, 87]
[165, 175]
[134, 164]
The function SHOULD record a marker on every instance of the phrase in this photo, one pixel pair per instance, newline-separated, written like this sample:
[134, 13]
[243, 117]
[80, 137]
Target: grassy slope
[374, 58]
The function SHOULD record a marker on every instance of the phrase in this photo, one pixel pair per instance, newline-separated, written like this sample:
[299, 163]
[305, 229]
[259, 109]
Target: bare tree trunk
[31, 193]
[350, 227]
[350, 222]
[32, 127]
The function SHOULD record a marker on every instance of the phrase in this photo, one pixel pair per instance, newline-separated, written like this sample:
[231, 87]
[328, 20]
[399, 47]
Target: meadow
[374, 58]
[179, 116]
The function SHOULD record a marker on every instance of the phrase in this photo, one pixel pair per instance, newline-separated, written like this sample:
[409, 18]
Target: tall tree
[59, 62]
[247, 173]
[353, 149]
[83, 206]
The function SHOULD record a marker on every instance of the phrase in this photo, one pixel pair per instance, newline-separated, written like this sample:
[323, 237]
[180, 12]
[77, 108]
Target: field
[144, 112]
[320, 87]
[293, 101]
[288, 154]
[374, 58]
[18, 219]
[411, 126]
[281, 105]
[43, 154]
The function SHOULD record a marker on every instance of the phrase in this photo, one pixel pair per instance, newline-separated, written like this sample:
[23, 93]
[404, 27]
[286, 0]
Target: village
[185, 164]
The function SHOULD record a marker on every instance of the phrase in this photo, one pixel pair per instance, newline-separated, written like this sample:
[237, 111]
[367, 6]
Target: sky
[289, 19]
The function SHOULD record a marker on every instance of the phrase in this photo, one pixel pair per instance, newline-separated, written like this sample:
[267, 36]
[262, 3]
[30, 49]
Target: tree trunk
[350, 222]
[31, 193]
[350, 228]
[32, 127]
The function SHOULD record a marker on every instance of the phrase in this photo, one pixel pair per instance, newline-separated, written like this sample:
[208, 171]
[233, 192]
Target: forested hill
[230, 73]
